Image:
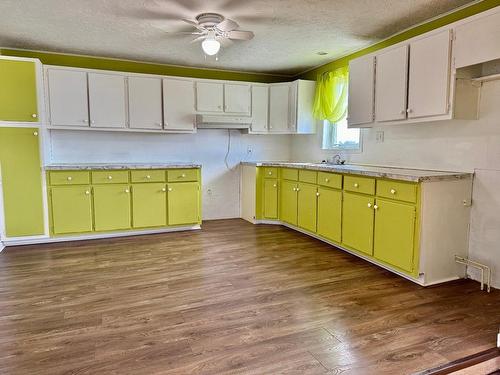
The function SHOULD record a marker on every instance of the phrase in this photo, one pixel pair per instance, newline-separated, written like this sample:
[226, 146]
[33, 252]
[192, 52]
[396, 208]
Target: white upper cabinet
[260, 106]
[302, 102]
[209, 97]
[279, 108]
[429, 76]
[144, 103]
[237, 98]
[361, 91]
[477, 41]
[391, 81]
[67, 92]
[107, 100]
[178, 104]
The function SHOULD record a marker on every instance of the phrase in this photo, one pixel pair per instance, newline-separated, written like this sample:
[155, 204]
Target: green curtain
[330, 102]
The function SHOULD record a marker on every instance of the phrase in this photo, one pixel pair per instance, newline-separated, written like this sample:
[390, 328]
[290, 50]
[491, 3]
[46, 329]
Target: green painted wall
[435, 24]
[141, 67]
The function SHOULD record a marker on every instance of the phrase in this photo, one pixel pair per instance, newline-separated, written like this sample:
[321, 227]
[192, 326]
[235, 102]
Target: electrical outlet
[249, 150]
[379, 136]
[209, 192]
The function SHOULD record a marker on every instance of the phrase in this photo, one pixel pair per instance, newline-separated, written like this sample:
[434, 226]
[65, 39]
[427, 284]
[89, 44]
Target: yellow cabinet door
[21, 182]
[357, 222]
[330, 214]
[18, 96]
[394, 233]
[149, 205]
[183, 203]
[111, 207]
[307, 207]
[288, 202]
[71, 209]
[270, 198]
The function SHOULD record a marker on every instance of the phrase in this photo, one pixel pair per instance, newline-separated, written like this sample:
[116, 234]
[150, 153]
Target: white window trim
[346, 150]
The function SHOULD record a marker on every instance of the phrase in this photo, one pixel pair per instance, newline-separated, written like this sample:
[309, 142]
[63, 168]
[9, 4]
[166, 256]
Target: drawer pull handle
[393, 191]
[369, 205]
[375, 207]
[270, 173]
[183, 175]
[87, 192]
[356, 185]
[327, 180]
[69, 178]
[148, 177]
[110, 177]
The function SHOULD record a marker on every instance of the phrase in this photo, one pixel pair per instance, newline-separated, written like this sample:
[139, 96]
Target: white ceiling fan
[214, 28]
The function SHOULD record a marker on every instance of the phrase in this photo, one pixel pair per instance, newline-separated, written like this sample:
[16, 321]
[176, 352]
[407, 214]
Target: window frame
[357, 149]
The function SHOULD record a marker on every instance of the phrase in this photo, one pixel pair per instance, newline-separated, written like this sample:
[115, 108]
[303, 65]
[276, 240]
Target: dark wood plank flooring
[233, 298]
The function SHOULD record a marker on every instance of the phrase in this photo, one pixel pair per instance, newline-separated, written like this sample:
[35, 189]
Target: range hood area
[222, 122]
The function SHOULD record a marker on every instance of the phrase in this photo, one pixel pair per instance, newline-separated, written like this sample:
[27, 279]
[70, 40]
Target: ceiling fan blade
[240, 35]
[227, 25]
[194, 24]
[201, 37]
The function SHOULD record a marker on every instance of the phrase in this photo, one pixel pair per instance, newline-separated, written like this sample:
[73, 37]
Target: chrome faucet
[337, 159]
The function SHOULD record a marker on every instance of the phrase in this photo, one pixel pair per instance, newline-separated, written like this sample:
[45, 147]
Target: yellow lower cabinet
[71, 209]
[111, 207]
[288, 202]
[270, 198]
[330, 214]
[183, 203]
[395, 233]
[357, 222]
[149, 205]
[307, 207]
[21, 182]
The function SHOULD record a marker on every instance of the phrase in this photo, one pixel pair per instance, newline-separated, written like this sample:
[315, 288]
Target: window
[338, 137]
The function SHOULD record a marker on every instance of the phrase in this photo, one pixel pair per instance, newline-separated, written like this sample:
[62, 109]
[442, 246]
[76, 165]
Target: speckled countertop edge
[403, 174]
[118, 166]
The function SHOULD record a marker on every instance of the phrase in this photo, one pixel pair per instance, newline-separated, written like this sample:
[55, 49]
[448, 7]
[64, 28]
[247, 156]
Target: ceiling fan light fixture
[210, 45]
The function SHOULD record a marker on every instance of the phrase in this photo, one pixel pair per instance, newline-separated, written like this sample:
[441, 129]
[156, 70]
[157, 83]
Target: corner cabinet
[85, 203]
[395, 224]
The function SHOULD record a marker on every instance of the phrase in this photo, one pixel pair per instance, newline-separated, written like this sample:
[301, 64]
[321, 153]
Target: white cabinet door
[237, 99]
[260, 105]
[429, 76]
[361, 91]
[477, 41]
[68, 102]
[209, 97]
[107, 100]
[303, 98]
[279, 108]
[144, 103]
[391, 84]
[178, 104]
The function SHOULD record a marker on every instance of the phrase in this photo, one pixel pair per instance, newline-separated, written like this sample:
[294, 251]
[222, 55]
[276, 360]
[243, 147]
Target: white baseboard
[93, 236]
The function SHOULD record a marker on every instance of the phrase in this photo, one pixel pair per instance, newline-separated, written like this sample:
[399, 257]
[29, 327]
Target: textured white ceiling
[288, 33]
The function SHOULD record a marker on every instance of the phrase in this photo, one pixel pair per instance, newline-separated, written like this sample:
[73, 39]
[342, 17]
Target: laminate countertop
[118, 166]
[404, 174]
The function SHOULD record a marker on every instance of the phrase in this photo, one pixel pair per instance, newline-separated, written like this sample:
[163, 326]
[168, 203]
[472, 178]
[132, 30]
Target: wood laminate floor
[233, 298]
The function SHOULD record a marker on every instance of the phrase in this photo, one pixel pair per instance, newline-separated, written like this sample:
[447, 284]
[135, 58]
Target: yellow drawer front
[149, 175]
[365, 185]
[109, 177]
[308, 176]
[398, 190]
[69, 177]
[332, 180]
[290, 174]
[181, 175]
[270, 172]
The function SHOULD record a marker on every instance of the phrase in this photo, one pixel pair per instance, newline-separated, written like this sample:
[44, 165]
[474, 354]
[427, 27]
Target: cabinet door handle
[393, 191]
[402, 112]
[34, 115]
[35, 134]
[409, 110]
[87, 192]
[298, 189]
[170, 189]
[148, 177]
[327, 180]
[274, 185]
[369, 205]
[375, 207]
[317, 194]
[164, 189]
[270, 173]
[69, 178]
[85, 121]
[110, 177]
[127, 191]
